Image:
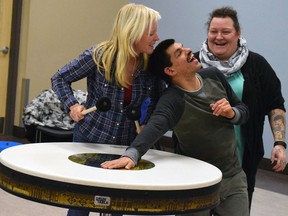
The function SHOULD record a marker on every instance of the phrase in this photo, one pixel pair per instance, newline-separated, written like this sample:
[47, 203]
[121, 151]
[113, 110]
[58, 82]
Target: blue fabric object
[144, 109]
[7, 144]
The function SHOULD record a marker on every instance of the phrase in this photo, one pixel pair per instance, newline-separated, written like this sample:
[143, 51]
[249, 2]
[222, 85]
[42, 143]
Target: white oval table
[68, 175]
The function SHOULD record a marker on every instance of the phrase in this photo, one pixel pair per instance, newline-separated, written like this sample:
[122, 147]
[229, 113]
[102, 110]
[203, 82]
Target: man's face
[183, 60]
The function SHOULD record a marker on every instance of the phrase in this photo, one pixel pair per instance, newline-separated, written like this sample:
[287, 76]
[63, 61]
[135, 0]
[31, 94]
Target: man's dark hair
[160, 59]
[224, 12]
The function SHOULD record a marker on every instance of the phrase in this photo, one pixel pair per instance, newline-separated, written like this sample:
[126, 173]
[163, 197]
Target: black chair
[46, 120]
[49, 134]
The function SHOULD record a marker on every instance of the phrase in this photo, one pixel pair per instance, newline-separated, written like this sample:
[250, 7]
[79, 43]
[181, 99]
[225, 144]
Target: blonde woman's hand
[75, 112]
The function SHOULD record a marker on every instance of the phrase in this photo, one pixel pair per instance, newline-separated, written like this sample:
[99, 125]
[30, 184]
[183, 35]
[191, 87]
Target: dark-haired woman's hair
[224, 12]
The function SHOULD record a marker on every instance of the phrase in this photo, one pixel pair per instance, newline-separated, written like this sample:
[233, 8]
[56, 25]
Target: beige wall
[53, 33]
[5, 36]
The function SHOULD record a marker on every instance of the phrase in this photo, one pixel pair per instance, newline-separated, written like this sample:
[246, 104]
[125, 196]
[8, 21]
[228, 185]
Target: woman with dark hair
[255, 83]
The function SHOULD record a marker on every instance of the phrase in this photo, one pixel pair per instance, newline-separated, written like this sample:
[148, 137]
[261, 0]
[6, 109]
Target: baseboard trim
[19, 132]
[265, 164]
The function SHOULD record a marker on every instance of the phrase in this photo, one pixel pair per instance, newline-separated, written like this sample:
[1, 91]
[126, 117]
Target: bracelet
[280, 143]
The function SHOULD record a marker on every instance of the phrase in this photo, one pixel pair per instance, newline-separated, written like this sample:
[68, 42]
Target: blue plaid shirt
[112, 127]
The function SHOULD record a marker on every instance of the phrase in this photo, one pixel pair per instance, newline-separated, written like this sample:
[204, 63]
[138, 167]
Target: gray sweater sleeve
[240, 109]
[167, 113]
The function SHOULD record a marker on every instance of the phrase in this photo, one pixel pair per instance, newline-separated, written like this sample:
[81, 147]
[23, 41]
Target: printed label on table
[102, 200]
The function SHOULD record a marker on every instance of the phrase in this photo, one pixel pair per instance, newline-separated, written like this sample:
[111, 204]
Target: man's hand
[279, 155]
[222, 108]
[123, 162]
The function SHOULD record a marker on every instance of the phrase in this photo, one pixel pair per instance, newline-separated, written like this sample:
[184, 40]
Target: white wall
[263, 23]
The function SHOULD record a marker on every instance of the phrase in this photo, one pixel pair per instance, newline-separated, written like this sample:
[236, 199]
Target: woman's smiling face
[148, 40]
[222, 37]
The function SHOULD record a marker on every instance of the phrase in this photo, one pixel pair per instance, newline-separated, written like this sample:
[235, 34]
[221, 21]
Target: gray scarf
[233, 64]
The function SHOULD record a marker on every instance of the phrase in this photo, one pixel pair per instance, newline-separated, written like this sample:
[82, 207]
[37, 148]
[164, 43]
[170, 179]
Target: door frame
[13, 68]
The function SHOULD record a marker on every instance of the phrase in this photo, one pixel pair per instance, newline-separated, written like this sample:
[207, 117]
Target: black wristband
[280, 143]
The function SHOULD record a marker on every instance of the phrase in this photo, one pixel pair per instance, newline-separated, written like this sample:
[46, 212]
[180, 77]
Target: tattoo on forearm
[278, 125]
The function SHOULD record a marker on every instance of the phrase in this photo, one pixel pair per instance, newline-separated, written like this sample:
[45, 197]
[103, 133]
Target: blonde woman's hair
[129, 26]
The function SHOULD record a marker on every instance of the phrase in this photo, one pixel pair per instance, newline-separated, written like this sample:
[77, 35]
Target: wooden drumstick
[138, 129]
[135, 114]
[103, 105]
[86, 111]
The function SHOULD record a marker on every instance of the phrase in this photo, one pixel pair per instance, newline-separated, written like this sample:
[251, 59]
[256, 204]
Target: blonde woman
[115, 69]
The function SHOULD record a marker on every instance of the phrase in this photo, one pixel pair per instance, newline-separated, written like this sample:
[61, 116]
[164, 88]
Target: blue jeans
[74, 212]
[77, 137]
